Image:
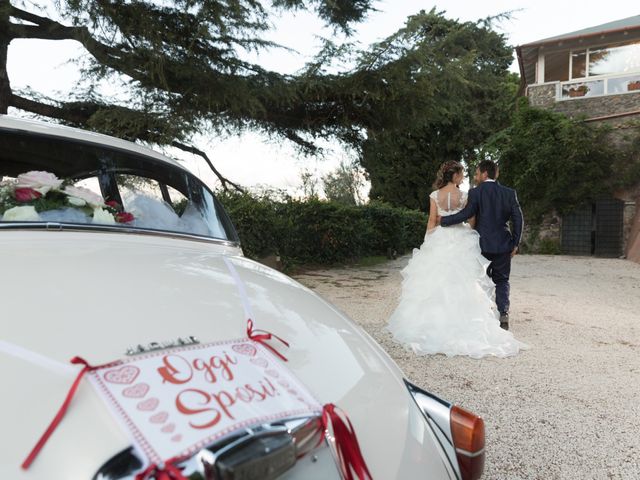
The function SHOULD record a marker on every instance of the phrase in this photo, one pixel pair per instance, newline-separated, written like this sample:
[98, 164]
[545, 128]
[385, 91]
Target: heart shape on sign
[245, 349]
[273, 373]
[176, 438]
[159, 417]
[169, 428]
[138, 390]
[148, 405]
[261, 362]
[123, 375]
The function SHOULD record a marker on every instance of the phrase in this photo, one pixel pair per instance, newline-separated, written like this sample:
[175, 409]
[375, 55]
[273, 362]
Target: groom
[493, 206]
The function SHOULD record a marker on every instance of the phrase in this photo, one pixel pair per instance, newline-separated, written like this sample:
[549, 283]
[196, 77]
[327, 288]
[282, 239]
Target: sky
[255, 161]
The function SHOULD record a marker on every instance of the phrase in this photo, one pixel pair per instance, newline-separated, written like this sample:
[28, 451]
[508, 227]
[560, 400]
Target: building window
[622, 58]
[556, 67]
[579, 64]
[594, 71]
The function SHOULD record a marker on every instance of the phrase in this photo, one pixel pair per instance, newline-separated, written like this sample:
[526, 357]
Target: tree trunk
[5, 86]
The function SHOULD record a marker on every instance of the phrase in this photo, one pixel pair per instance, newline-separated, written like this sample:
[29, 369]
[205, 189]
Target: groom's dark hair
[489, 167]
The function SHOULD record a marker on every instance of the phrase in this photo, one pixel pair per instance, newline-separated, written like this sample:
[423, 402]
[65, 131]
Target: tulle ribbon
[168, 471]
[347, 447]
[63, 409]
[262, 336]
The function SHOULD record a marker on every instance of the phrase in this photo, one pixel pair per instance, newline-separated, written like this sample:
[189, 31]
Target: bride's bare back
[449, 199]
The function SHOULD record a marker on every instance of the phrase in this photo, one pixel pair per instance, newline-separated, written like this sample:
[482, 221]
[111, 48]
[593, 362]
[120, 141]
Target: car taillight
[467, 431]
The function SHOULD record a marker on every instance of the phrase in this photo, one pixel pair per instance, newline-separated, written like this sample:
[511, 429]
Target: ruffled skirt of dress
[447, 303]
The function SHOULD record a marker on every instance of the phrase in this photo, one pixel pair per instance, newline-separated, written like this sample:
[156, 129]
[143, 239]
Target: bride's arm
[472, 222]
[433, 215]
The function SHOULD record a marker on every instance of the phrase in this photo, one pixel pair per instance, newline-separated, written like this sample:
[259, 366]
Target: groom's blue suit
[494, 205]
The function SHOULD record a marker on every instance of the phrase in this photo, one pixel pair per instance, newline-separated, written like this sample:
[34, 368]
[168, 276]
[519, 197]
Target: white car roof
[52, 129]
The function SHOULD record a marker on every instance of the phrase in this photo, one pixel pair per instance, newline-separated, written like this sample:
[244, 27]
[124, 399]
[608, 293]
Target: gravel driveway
[569, 407]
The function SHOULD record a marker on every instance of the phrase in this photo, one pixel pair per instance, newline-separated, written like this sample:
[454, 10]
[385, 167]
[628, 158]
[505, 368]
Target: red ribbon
[347, 447]
[167, 472]
[262, 338]
[63, 409]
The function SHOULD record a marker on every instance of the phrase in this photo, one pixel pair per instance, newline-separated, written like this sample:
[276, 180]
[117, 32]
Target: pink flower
[93, 199]
[40, 181]
[24, 195]
[124, 217]
[113, 204]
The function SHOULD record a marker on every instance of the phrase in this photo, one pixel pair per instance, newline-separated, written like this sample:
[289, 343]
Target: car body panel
[95, 294]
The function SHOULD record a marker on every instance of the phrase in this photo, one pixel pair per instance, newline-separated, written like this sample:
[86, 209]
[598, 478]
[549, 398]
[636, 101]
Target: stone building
[595, 74]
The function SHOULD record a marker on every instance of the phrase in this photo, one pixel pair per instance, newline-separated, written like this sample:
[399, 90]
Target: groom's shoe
[504, 321]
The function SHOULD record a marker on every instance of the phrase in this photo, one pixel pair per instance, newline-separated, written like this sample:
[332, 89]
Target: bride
[447, 303]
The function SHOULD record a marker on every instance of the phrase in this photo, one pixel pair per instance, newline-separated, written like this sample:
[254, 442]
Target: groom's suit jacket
[493, 205]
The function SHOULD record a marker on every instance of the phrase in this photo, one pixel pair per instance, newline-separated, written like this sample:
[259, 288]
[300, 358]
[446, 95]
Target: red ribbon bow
[347, 447]
[262, 338]
[63, 409]
[167, 472]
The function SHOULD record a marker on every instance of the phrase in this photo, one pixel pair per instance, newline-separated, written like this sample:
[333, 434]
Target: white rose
[102, 216]
[76, 202]
[21, 214]
[85, 194]
[40, 181]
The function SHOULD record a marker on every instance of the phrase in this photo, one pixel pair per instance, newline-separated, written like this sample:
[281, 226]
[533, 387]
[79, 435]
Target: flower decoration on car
[119, 215]
[33, 193]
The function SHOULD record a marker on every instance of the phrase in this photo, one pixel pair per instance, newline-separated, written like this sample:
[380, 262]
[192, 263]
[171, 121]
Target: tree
[309, 187]
[179, 61]
[457, 74]
[558, 163]
[181, 72]
[343, 184]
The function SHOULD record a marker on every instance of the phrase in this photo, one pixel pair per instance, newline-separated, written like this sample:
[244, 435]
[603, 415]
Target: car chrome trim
[153, 346]
[299, 436]
[71, 227]
[436, 413]
[470, 454]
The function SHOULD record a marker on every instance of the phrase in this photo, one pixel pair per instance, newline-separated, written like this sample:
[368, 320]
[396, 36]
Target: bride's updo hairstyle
[446, 172]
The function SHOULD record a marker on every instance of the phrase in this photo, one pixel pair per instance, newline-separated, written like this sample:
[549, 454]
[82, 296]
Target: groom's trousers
[499, 271]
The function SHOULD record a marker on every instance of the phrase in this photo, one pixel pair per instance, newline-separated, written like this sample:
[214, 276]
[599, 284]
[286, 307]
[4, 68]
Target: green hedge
[321, 232]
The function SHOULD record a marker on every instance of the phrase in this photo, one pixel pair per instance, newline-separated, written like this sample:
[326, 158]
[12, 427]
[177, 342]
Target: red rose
[26, 194]
[124, 217]
[113, 204]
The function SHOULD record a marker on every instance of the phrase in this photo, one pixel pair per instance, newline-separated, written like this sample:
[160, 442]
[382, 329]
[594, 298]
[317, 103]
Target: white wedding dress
[447, 303]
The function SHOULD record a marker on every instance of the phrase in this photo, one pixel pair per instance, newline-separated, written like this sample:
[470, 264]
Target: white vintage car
[109, 250]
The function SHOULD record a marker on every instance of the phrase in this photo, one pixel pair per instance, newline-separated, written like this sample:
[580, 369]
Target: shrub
[321, 232]
[548, 246]
[558, 163]
[255, 220]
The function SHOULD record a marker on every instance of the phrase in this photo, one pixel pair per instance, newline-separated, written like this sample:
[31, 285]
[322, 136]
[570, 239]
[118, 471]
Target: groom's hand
[514, 252]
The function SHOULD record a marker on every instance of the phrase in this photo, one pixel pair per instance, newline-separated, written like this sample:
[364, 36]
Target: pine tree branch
[69, 115]
[50, 29]
[79, 117]
[196, 151]
[28, 16]
[42, 32]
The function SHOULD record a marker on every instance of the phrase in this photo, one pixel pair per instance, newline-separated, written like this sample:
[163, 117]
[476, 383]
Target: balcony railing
[602, 85]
